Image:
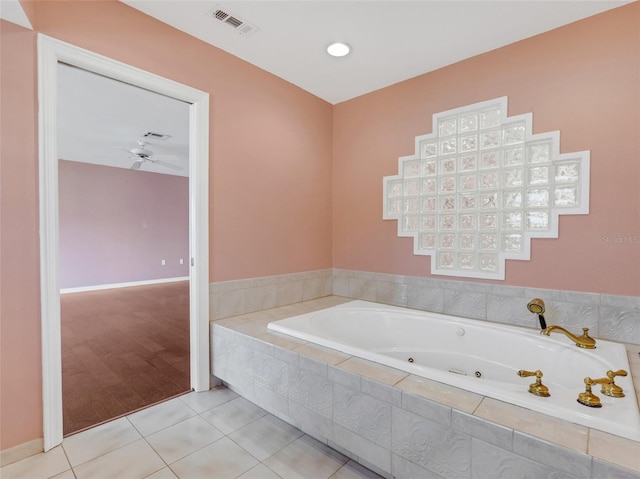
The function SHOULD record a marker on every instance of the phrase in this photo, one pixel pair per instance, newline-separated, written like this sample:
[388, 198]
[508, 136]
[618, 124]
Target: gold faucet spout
[585, 341]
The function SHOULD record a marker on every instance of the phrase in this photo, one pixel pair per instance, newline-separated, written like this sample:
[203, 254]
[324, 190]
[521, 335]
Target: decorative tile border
[231, 298]
[616, 318]
[21, 451]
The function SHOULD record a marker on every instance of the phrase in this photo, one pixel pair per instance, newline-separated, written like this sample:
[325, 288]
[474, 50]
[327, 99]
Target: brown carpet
[122, 349]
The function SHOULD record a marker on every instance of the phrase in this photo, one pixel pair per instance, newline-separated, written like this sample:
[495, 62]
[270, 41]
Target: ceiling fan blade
[167, 165]
[136, 165]
[121, 149]
[166, 158]
[113, 158]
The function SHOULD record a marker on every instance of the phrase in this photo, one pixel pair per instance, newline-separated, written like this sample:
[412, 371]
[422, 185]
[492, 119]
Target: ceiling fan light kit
[142, 151]
[140, 154]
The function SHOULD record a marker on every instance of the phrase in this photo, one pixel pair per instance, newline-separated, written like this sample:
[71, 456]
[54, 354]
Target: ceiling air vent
[241, 26]
[156, 136]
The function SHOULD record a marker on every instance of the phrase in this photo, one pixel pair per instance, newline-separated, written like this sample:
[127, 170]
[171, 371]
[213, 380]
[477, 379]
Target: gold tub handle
[610, 388]
[537, 388]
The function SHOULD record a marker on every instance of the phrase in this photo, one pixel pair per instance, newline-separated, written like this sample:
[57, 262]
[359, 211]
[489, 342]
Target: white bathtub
[478, 356]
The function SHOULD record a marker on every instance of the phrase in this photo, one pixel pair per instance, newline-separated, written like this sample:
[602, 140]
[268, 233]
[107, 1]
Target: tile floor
[214, 434]
[124, 348]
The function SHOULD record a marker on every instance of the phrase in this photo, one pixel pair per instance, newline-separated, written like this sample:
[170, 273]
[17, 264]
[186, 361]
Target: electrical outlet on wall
[181, 261]
[163, 262]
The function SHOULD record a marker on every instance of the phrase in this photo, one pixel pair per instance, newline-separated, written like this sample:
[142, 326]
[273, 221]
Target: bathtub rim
[249, 330]
[630, 431]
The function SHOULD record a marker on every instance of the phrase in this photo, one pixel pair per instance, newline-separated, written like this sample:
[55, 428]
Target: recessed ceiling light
[338, 49]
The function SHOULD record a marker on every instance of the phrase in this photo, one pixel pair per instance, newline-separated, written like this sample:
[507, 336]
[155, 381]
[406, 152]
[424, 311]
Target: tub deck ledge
[506, 426]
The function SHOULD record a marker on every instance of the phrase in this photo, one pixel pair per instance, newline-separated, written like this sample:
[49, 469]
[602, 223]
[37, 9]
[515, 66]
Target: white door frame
[50, 53]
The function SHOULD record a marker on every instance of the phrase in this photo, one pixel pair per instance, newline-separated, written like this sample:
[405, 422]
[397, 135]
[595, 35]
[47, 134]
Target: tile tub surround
[616, 318]
[402, 425]
[230, 298]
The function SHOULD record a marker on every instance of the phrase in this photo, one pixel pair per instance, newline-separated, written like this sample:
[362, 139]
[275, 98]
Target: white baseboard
[21, 451]
[122, 285]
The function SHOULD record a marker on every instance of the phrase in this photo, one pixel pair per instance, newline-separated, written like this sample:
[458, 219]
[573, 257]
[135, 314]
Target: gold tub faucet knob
[610, 388]
[587, 398]
[537, 388]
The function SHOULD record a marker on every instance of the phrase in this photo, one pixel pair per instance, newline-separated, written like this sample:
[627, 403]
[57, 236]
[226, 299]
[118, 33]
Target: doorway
[123, 197]
[51, 52]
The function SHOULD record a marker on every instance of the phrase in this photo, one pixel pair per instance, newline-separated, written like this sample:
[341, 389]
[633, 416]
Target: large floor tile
[68, 474]
[353, 470]
[203, 401]
[305, 458]
[160, 416]
[99, 440]
[223, 459]
[233, 415]
[184, 438]
[133, 461]
[122, 349]
[164, 473]
[265, 436]
[260, 472]
[43, 465]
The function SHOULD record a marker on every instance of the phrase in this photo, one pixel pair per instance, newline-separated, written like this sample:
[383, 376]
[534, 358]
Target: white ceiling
[100, 118]
[11, 10]
[392, 40]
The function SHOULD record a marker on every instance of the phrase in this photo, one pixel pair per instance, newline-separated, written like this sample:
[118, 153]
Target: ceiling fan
[141, 155]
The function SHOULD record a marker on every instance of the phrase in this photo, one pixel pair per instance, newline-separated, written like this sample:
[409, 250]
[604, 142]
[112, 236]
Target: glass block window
[481, 186]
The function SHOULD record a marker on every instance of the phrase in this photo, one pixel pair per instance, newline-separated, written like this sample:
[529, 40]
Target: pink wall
[582, 80]
[116, 225]
[20, 358]
[270, 171]
[270, 141]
